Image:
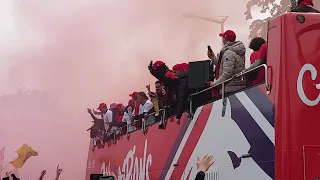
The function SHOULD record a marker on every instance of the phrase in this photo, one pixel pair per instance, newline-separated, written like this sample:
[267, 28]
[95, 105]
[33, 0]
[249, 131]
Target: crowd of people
[172, 87]
[202, 164]
[172, 90]
[12, 176]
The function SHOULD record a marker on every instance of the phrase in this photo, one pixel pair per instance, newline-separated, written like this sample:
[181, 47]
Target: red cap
[178, 67]
[102, 105]
[171, 75]
[133, 95]
[229, 35]
[119, 106]
[131, 102]
[185, 66]
[157, 64]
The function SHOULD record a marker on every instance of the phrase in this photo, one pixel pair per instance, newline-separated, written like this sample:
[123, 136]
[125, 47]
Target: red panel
[150, 152]
[296, 122]
[311, 162]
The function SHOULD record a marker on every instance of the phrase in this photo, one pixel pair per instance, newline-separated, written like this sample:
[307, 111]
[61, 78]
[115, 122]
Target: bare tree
[259, 26]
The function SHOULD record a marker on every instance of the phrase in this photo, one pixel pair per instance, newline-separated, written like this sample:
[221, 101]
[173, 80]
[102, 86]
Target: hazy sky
[83, 52]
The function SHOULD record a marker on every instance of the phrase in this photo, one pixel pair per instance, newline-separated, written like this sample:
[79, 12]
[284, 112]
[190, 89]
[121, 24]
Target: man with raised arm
[231, 61]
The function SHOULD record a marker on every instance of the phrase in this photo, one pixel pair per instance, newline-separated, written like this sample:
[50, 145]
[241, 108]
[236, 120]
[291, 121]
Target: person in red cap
[103, 124]
[161, 72]
[231, 61]
[181, 73]
[305, 6]
[136, 104]
[145, 106]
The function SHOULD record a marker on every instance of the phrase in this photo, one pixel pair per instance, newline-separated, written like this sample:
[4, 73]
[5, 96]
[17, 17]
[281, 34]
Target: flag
[24, 153]
[1, 159]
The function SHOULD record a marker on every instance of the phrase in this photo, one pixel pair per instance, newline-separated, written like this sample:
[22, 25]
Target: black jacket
[171, 85]
[183, 94]
[200, 176]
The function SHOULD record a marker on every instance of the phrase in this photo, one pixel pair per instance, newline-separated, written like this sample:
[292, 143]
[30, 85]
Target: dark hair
[158, 82]
[129, 106]
[256, 43]
[142, 94]
[161, 70]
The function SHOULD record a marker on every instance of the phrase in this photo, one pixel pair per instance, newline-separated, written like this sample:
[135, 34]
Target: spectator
[231, 61]
[107, 173]
[184, 92]
[258, 57]
[203, 165]
[58, 172]
[127, 118]
[14, 177]
[43, 172]
[305, 6]
[145, 106]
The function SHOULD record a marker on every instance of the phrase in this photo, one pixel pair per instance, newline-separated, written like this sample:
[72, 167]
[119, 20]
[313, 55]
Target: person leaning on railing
[181, 72]
[258, 57]
[145, 106]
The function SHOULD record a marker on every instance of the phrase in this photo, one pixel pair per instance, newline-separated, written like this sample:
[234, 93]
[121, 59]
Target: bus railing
[114, 133]
[223, 97]
[222, 84]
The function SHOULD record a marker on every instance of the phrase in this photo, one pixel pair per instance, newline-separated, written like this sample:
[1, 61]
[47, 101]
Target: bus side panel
[274, 59]
[297, 120]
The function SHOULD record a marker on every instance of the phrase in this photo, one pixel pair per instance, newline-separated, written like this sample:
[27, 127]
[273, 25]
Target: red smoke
[83, 52]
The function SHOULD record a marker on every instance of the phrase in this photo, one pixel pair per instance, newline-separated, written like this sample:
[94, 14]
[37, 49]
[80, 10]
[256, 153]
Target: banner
[24, 153]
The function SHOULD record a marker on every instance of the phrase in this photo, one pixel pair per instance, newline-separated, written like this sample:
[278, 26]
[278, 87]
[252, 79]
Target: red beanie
[178, 67]
[185, 66]
[133, 95]
[131, 102]
[157, 64]
[171, 75]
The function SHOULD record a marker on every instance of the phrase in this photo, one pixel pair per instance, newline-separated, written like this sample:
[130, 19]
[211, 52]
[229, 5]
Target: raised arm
[43, 172]
[58, 173]
[92, 115]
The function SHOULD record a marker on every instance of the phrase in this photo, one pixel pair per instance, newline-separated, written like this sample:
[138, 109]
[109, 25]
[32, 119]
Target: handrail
[268, 87]
[120, 128]
[267, 84]
[224, 101]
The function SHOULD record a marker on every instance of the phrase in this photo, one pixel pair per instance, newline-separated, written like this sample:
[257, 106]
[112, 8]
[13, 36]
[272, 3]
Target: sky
[79, 53]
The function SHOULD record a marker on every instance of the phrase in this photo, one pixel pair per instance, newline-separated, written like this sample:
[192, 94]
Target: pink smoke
[81, 53]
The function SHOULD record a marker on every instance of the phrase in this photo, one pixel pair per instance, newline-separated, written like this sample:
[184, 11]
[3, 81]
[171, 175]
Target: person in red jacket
[258, 57]
[305, 6]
